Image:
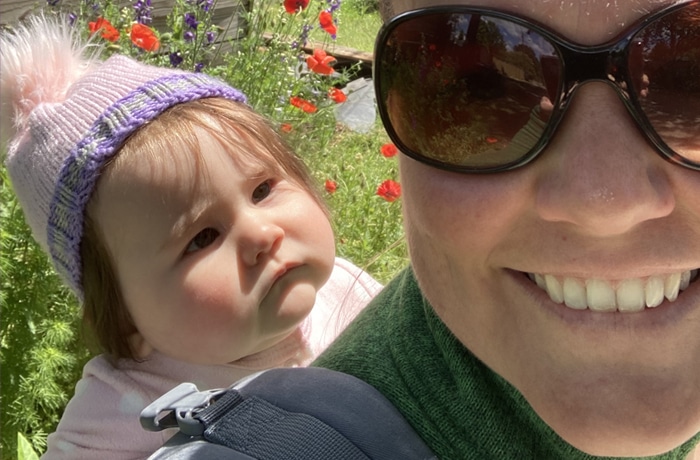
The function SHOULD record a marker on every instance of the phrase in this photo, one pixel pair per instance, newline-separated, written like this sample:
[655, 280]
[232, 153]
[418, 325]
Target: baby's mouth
[628, 295]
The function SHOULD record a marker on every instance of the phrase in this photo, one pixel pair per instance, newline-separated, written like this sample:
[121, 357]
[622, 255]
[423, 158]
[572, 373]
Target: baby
[194, 237]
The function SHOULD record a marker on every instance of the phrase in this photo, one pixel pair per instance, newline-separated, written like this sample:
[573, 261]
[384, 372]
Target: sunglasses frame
[592, 64]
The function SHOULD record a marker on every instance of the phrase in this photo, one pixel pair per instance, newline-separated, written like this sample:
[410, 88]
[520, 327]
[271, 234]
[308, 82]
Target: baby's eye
[262, 191]
[202, 240]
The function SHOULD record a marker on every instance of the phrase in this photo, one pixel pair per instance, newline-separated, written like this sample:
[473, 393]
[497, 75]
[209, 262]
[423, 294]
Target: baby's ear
[139, 346]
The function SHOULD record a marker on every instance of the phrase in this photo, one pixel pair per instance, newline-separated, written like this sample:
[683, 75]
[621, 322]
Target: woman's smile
[626, 295]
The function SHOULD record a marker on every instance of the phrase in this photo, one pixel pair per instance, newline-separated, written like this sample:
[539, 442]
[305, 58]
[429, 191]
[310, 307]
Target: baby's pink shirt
[101, 421]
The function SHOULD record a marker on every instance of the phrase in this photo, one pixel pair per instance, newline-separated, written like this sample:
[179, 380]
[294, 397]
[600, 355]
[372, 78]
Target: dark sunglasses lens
[664, 65]
[466, 91]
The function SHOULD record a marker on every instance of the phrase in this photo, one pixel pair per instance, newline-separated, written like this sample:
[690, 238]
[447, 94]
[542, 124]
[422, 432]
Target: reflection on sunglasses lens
[470, 90]
[664, 63]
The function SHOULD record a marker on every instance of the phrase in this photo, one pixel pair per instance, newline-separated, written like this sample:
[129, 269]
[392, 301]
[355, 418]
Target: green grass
[356, 29]
[368, 228]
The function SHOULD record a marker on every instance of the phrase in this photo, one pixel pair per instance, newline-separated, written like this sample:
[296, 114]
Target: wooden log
[12, 11]
[345, 56]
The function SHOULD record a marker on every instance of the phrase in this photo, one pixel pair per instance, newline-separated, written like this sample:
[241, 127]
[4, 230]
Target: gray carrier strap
[291, 413]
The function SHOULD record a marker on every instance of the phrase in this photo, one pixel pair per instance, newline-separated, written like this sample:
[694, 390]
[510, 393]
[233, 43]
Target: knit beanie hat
[71, 114]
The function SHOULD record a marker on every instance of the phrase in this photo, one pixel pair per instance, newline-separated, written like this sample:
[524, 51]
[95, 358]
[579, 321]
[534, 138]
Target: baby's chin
[288, 305]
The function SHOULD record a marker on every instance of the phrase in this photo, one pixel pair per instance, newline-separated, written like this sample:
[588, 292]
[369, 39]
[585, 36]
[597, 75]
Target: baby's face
[216, 260]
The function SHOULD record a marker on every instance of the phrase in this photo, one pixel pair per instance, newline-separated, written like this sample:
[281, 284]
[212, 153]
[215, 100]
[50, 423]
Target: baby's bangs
[241, 132]
[244, 142]
[173, 138]
[244, 134]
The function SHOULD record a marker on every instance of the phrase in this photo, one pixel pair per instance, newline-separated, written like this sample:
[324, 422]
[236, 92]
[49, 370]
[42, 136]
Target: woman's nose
[258, 236]
[600, 173]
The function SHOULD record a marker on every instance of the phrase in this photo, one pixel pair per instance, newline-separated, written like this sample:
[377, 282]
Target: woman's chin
[612, 417]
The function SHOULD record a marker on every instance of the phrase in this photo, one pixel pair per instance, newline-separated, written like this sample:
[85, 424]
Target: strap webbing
[262, 430]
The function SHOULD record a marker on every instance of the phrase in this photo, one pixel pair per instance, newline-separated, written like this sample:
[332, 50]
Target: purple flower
[198, 67]
[191, 20]
[210, 36]
[53, 2]
[303, 36]
[188, 36]
[142, 11]
[175, 59]
[333, 5]
[205, 5]
[72, 18]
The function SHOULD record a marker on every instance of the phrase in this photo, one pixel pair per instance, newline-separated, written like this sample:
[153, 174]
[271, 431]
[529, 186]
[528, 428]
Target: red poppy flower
[389, 190]
[331, 186]
[144, 37]
[389, 150]
[302, 104]
[308, 107]
[106, 27]
[294, 6]
[325, 19]
[337, 95]
[286, 128]
[491, 140]
[320, 62]
[296, 101]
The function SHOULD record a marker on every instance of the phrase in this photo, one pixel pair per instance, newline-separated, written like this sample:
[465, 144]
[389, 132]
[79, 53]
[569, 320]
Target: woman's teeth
[629, 295]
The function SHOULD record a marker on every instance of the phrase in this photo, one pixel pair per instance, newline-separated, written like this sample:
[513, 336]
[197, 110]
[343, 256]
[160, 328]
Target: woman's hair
[242, 132]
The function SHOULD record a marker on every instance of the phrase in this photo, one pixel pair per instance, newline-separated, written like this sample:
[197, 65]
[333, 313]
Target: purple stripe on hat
[81, 169]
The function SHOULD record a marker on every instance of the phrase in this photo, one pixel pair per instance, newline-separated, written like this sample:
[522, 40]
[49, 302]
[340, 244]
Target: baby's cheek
[216, 296]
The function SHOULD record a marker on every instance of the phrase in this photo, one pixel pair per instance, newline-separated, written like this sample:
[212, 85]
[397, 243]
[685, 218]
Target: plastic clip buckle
[181, 405]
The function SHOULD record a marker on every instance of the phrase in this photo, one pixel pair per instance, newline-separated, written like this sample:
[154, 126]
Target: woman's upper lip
[609, 260]
[606, 276]
[602, 273]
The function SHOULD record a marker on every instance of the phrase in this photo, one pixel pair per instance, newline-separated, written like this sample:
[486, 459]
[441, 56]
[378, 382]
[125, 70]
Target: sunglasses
[477, 90]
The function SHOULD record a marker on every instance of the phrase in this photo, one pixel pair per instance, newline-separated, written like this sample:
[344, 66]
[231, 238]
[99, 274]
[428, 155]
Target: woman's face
[599, 209]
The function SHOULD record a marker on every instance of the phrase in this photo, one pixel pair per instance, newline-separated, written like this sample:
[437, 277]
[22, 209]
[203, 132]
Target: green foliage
[368, 228]
[263, 57]
[41, 350]
[24, 449]
[356, 29]
[363, 6]
[267, 64]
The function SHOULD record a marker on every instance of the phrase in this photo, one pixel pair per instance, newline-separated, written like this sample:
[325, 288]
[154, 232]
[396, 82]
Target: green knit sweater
[460, 408]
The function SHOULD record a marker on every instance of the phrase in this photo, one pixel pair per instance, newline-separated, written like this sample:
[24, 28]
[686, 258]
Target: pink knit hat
[71, 114]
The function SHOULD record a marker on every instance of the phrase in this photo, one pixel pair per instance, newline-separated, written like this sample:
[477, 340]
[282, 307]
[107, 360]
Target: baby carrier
[290, 413]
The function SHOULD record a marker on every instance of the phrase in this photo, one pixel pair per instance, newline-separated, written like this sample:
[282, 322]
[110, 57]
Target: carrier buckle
[178, 408]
